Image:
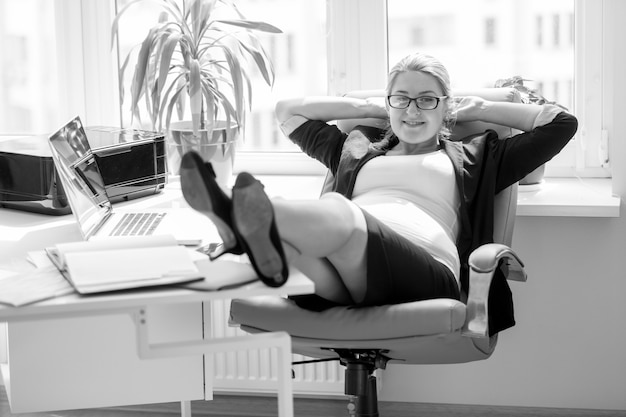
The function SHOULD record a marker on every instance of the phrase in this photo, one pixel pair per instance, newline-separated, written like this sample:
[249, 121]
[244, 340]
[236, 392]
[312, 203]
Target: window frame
[357, 59]
[591, 42]
[355, 29]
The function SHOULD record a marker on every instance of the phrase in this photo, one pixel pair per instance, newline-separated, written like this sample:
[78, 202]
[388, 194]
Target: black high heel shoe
[253, 221]
[204, 195]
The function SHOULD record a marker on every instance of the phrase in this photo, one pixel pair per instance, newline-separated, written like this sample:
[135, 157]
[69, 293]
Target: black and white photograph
[312, 208]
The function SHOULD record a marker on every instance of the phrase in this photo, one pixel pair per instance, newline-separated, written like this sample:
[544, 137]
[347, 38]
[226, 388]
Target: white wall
[568, 348]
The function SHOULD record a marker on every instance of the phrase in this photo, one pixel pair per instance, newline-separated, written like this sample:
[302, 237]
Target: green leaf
[154, 110]
[182, 99]
[121, 77]
[148, 105]
[137, 89]
[210, 101]
[200, 14]
[231, 4]
[166, 57]
[170, 107]
[252, 25]
[229, 113]
[236, 73]
[195, 11]
[195, 95]
[165, 97]
[263, 63]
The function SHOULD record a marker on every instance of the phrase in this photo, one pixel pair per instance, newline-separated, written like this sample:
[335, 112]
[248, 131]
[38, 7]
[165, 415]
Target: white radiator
[255, 370]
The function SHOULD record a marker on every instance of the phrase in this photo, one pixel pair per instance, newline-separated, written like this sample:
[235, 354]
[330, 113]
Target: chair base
[360, 383]
[366, 403]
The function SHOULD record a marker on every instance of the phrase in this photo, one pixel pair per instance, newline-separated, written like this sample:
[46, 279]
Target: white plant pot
[534, 179]
[211, 145]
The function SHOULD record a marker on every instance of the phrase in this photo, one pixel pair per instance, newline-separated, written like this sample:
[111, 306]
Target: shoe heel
[253, 218]
[229, 240]
[204, 195]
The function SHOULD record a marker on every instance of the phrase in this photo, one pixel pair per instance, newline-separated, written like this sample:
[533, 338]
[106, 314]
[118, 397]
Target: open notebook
[120, 263]
[46, 281]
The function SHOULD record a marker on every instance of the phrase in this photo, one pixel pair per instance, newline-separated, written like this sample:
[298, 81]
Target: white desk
[118, 349]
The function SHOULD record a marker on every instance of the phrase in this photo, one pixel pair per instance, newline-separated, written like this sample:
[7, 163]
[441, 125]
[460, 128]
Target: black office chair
[433, 331]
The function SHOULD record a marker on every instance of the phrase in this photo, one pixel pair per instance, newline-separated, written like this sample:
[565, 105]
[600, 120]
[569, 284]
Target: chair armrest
[483, 262]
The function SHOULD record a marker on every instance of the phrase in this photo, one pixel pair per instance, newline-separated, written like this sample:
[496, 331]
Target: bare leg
[332, 228]
[328, 283]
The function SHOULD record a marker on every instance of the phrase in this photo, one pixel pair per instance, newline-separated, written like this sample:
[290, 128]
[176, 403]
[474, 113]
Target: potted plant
[190, 58]
[528, 96]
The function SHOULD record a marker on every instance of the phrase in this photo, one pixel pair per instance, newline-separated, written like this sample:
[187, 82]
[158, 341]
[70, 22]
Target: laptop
[85, 191]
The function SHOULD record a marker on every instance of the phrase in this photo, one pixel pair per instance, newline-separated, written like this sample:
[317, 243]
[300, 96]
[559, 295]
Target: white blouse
[415, 195]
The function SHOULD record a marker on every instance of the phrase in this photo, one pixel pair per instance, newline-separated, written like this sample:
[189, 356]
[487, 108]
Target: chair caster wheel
[361, 407]
[351, 407]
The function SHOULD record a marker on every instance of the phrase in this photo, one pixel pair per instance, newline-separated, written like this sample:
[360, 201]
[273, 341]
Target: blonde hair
[428, 65]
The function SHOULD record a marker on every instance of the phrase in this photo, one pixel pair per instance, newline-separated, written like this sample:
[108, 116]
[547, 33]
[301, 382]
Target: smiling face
[416, 129]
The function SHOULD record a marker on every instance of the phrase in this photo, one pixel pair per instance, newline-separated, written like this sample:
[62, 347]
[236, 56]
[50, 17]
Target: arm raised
[291, 113]
[524, 117]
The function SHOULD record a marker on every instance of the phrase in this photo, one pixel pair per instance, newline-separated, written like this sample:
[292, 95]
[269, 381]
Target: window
[490, 31]
[55, 64]
[556, 30]
[571, 26]
[539, 31]
[492, 54]
[299, 59]
[538, 53]
[298, 56]
[328, 47]
[27, 32]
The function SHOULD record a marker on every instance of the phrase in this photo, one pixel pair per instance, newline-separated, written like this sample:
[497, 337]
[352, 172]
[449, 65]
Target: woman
[405, 211]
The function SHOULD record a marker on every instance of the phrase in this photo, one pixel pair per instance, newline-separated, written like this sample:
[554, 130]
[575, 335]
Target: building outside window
[556, 30]
[539, 31]
[490, 31]
[28, 67]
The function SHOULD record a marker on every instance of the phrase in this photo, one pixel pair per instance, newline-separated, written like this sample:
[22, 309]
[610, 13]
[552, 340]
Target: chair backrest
[505, 204]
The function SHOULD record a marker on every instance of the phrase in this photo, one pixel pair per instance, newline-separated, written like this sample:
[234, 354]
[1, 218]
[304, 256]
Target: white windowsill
[569, 197]
[564, 197]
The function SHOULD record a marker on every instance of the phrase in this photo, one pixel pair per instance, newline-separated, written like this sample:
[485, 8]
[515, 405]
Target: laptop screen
[80, 176]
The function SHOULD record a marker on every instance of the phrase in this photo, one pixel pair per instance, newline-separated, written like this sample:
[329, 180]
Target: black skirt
[398, 271]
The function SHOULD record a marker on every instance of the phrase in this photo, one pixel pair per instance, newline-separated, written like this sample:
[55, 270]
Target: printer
[133, 164]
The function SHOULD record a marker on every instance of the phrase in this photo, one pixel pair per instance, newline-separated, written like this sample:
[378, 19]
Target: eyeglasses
[422, 102]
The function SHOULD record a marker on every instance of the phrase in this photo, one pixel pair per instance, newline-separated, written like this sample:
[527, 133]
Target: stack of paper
[119, 263]
[18, 289]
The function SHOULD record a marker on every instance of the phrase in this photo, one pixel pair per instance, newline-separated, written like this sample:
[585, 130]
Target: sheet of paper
[40, 284]
[222, 274]
[40, 259]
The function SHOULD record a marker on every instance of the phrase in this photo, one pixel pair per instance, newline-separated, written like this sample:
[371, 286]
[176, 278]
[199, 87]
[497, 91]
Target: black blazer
[484, 165]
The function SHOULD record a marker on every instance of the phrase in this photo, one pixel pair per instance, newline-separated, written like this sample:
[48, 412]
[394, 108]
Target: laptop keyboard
[137, 224]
